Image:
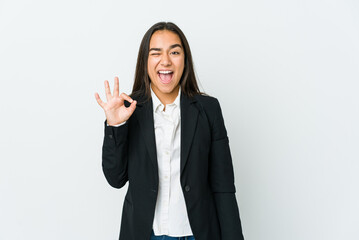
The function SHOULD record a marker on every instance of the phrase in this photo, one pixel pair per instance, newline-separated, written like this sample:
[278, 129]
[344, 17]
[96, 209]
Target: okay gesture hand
[115, 110]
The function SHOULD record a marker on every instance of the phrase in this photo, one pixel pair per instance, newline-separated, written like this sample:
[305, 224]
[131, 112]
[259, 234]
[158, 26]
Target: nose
[165, 61]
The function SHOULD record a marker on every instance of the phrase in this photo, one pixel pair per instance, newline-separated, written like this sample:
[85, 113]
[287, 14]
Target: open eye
[175, 53]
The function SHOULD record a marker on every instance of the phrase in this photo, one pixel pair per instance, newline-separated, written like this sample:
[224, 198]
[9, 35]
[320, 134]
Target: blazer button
[110, 136]
[187, 188]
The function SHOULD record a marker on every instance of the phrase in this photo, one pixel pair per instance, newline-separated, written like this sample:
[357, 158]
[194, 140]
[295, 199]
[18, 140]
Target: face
[165, 64]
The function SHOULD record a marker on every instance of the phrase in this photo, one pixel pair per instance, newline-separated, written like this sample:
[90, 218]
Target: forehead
[163, 39]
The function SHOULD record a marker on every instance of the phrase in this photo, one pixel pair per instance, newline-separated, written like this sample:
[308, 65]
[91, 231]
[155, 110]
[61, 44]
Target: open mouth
[165, 76]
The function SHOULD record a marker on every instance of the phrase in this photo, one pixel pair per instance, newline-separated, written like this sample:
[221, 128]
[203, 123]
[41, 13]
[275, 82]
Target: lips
[165, 76]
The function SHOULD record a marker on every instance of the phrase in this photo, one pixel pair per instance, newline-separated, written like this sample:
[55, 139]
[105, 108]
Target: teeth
[165, 72]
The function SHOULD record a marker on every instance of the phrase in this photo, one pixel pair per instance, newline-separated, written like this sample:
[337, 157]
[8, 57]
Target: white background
[285, 72]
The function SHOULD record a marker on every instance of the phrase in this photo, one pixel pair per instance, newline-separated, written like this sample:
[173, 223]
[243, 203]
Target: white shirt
[170, 214]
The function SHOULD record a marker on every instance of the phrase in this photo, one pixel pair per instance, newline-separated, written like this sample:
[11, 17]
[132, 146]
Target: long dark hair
[188, 82]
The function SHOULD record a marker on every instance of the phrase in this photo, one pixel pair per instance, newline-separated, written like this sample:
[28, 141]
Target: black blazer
[207, 179]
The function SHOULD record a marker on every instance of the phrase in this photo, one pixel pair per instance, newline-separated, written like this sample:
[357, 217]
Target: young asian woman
[169, 142]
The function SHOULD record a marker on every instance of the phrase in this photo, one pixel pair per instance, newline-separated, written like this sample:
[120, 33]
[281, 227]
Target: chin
[167, 89]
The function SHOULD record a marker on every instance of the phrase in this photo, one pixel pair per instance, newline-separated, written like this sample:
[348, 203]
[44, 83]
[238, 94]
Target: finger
[99, 101]
[132, 107]
[116, 88]
[126, 97]
[107, 91]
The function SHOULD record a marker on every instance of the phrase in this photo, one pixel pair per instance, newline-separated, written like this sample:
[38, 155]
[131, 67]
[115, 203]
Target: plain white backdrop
[286, 74]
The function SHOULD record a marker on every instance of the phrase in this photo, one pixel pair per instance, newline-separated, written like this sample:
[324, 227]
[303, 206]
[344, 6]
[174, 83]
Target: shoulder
[210, 106]
[212, 110]
[209, 103]
[204, 98]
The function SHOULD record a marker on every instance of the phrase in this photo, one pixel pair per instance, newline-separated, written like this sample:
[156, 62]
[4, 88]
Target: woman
[168, 140]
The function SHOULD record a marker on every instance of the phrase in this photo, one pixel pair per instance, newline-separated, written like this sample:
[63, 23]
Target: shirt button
[166, 152]
[166, 177]
[187, 188]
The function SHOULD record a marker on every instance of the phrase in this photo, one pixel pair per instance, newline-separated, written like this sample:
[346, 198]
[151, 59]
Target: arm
[222, 180]
[114, 155]
[114, 149]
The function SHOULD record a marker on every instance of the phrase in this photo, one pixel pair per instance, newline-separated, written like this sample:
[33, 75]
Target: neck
[167, 98]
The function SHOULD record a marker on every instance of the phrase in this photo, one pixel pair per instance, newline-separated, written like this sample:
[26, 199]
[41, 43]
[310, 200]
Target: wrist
[111, 124]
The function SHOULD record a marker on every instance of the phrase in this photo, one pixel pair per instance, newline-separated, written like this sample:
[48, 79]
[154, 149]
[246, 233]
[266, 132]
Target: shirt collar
[156, 102]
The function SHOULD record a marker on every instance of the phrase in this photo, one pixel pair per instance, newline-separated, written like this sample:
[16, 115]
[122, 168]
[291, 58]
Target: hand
[115, 110]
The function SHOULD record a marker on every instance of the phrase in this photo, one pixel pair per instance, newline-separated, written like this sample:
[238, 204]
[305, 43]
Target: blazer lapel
[189, 116]
[144, 112]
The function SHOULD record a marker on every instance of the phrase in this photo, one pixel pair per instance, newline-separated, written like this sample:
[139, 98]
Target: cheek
[180, 64]
[178, 61]
[150, 67]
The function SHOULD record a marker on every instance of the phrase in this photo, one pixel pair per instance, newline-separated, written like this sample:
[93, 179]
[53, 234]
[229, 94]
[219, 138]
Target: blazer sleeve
[222, 179]
[114, 155]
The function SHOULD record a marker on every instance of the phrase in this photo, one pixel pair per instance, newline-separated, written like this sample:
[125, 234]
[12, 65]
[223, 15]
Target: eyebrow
[172, 46]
